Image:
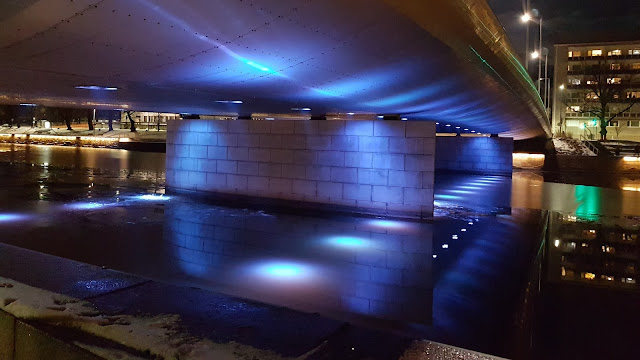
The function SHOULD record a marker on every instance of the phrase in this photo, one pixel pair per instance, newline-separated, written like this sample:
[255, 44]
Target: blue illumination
[229, 101]
[96, 87]
[153, 197]
[28, 104]
[348, 242]
[11, 217]
[86, 206]
[257, 66]
[388, 224]
[283, 270]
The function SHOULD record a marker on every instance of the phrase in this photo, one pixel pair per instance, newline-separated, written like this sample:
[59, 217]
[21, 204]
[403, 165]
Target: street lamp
[534, 16]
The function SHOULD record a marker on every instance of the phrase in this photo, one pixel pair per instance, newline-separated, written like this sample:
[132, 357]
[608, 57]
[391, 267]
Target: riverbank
[142, 140]
[96, 313]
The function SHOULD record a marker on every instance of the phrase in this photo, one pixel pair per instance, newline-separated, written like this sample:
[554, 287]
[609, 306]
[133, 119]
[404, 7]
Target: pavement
[98, 313]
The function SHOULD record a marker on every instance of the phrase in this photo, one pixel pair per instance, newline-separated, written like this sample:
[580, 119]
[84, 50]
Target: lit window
[589, 276]
[613, 123]
[591, 96]
[575, 108]
[633, 94]
[629, 280]
[634, 52]
[607, 277]
[616, 80]
[577, 54]
[635, 66]
[633, 123]
[592, 82]
[615, 66]
[574, 81]
[614, 53]
[595, 52]
[570, 53]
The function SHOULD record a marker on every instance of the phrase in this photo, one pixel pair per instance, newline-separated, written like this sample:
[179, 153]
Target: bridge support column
[362, 166]
[482, 155]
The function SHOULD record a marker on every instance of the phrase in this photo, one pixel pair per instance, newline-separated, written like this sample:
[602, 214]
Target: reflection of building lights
[454, 237]
[470, 223]
[435, 256]
[463, 230]
[631, 158]
[630, 188]
[556, 243]
[124, 140]
[445, 246]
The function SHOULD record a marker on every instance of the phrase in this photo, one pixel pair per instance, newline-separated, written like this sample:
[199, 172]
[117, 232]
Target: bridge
[362, 65]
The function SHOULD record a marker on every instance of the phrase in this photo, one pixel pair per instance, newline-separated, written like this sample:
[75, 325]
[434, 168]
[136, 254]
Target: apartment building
[585, 71]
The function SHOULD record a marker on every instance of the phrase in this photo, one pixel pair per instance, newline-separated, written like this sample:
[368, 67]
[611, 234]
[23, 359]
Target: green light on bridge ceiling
[594, 122]
[583, 126]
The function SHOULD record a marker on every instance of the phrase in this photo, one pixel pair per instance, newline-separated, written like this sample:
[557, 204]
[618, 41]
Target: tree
[90, 118]
[605, 90]
[133, 123]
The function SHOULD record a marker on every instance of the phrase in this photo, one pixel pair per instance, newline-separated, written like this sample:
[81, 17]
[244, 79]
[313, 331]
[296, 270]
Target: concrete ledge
[20, 340]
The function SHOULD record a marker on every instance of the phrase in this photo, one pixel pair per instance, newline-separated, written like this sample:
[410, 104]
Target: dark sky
[573, 21]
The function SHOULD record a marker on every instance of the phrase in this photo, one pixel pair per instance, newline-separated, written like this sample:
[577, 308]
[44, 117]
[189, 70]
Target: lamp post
[534, 16]
[526, 17]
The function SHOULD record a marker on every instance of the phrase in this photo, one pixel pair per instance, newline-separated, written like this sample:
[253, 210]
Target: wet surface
[460, 278]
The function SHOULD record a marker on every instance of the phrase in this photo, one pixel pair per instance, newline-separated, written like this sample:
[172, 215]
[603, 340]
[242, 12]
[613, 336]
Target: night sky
[573, 21]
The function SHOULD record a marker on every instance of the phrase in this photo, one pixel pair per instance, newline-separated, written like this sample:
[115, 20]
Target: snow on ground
[160, 335]
[571, 147]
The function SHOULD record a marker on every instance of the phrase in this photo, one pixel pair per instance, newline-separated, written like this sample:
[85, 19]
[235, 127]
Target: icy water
[516, 267]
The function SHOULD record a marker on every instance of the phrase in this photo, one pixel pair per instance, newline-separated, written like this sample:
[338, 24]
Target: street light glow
[535, 55]
[562, 87]
[526, 17]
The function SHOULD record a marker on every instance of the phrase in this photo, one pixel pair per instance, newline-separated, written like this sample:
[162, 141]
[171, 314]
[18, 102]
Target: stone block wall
[480, 155]
[379, 167]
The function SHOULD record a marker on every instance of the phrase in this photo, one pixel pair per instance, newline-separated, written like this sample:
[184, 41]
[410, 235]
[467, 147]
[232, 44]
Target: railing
[590, 145]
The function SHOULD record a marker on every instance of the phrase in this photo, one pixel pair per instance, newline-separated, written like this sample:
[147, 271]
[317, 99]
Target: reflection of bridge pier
[370, 267]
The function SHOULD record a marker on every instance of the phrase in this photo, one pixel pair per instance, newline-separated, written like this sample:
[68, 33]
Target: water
[481, 274]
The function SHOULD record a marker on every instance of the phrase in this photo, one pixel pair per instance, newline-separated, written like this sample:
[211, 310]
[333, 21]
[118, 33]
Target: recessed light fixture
[28, 104]
[301, 109]
[457, 127]
[351, 113]
[473, 131]
[437, 123]
[447, 125]
[466, 129]
[96, 87]
[269, 118]
[404, 119]
[380, 117]
[229, 101]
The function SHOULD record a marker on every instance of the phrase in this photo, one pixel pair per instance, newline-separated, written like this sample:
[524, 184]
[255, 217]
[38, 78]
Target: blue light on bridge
[257, 66]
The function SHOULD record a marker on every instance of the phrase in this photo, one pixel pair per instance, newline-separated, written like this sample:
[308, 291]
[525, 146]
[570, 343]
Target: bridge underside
[446, 61]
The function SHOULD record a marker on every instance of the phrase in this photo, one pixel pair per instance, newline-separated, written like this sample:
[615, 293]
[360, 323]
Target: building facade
[583, 73]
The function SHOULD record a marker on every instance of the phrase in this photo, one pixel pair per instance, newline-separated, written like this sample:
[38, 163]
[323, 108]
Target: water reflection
[369, 267]
[594, 251]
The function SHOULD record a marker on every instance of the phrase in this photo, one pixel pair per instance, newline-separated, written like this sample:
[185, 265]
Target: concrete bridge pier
[376, 167]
